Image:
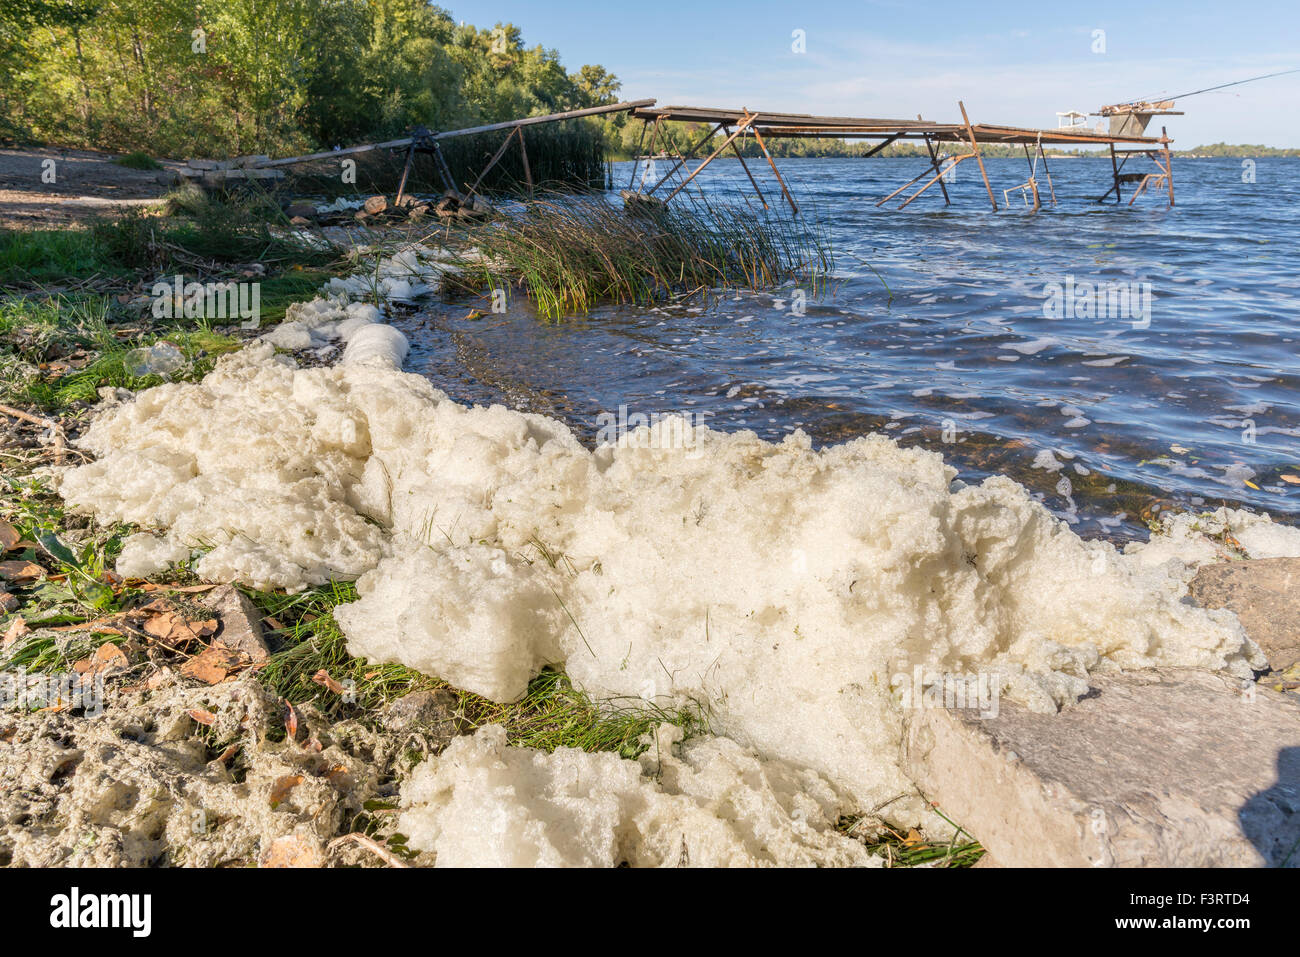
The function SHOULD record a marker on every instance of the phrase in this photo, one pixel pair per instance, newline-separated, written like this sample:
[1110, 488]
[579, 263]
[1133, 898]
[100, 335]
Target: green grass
[552, 714]
[138, 160]
[570, 253]
[47, 256]
[35, 331]
[190, 234]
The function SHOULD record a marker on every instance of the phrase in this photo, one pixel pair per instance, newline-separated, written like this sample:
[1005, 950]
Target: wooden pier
[1127, 130]
[762, 126]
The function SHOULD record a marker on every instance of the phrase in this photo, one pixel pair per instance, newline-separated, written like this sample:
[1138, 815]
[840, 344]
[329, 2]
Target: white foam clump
[1192, 539]
[716, 804]
[779, 588]
[412, 272]
[320, 323]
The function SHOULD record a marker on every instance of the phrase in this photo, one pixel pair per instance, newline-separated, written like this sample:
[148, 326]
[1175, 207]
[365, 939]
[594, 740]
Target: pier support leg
[1169, 163]
[934, 162]
[752, 182]
[740, 128]
[975, 146]
[1114, 165]
[776, 172]
[685, 156]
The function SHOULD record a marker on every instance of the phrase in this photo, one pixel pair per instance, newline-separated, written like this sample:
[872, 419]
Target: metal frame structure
[1125, 129]
[735, 123]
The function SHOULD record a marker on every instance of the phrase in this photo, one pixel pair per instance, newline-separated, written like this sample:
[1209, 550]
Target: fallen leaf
[205, 718]
[214, 664]
[1293, 479]
[172, 629]
[9, 536]
[322, 677]
[291, 721]
[21, 571]
[17, 628]
[283, 786]
[913, 838]
[1251, 484]
[108, 659]
[8, 602]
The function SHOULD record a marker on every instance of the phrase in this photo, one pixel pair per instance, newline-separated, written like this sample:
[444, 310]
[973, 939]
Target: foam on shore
[781, 590]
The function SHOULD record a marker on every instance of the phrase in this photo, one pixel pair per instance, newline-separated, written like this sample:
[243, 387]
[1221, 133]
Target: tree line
[183, 78]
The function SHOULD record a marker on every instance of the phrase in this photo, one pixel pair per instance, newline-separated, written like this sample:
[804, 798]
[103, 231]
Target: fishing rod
[1222, 86]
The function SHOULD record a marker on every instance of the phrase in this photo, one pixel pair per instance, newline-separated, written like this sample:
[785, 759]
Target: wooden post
[523, 154]
[636, 157]
[740, 128]
[776, 172]
[1045, 168]
[493, 161]
[974, 144]
[1169, 163]
[406, 171]
[934, 161]
[685, 156]
[1114, 165]
[752, 182]
[938, 177]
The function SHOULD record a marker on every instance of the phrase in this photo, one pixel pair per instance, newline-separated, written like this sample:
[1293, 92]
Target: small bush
[138, 160]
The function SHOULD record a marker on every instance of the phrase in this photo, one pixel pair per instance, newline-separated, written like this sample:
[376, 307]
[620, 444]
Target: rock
[241, 628]
[305, 210]
[1265, 594]
[1165, 768]
[8, 601]
[299, 221]
[431, 711]
[375, 205]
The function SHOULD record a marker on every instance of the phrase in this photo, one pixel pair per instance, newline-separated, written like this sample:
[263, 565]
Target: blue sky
[1015, 63]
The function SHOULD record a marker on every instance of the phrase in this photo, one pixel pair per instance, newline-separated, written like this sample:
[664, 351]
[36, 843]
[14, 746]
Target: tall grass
[561, 156]
[569, 253]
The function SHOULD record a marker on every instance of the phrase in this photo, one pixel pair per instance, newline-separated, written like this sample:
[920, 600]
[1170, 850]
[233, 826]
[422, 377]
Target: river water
[968, 332]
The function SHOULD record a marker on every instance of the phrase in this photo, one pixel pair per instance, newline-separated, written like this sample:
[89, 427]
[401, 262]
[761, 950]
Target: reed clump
[570, 253]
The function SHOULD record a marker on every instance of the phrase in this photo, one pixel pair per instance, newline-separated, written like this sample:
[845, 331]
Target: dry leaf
[913, 838]
[283, 786]
[1251, 484]
[291, 721]
[1293, 479]
[21, 571]
[173, 630]
[322, 677]
[205, 718]
[108, 659]
[17, 628]
[214, 665]
[9, 536]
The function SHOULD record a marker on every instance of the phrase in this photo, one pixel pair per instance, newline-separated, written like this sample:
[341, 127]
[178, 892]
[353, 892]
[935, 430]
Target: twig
[356, 837]
[28, 417]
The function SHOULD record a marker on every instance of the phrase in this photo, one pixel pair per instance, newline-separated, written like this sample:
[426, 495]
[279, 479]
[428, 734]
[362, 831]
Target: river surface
[942, 327]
